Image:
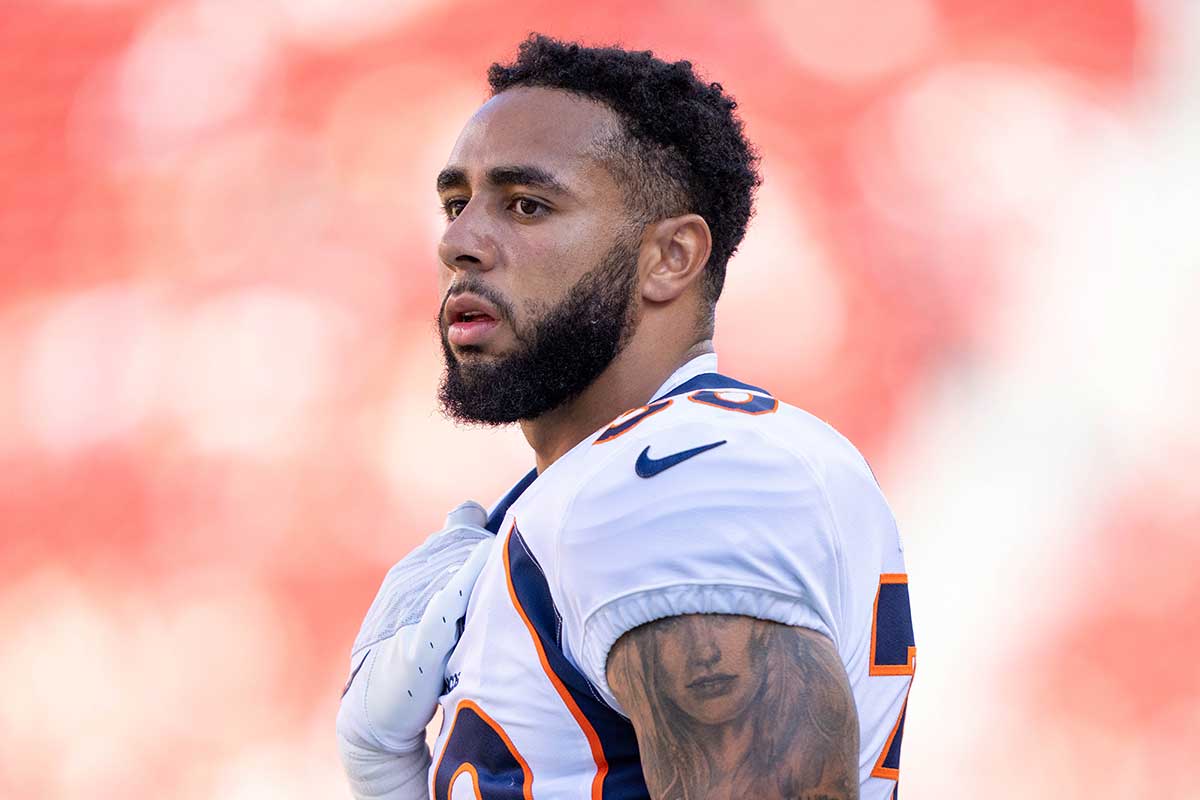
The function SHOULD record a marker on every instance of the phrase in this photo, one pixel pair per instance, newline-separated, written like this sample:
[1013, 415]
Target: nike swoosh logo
[356, 669]
[647, 467]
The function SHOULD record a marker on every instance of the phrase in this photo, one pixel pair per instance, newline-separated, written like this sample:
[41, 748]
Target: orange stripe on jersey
[889, 669]
[467, 766]
[582, 721]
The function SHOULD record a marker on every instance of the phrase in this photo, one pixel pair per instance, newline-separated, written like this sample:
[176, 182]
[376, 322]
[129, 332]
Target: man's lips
[471, 332]
[466, 307]
[470, 318]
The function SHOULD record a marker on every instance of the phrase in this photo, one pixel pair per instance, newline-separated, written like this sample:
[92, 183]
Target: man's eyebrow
[450, 178]
[516, 175]
[522, 175]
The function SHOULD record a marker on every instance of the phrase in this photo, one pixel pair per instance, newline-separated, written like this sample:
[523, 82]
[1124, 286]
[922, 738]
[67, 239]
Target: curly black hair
[682, 149]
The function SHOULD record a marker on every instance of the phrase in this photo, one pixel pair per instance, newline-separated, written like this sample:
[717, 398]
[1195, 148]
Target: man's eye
[528, 207]
[454, 207]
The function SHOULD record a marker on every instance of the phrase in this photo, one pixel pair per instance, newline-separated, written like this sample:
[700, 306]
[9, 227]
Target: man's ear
[675, 252]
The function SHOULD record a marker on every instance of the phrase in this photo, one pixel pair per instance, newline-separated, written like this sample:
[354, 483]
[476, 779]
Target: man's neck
[630, 381]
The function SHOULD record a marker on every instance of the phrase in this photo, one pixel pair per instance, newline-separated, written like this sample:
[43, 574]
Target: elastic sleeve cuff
[615, 618]
[379, 775]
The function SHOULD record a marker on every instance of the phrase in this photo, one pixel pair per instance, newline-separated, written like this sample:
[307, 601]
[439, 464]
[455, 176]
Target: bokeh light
[975, 254]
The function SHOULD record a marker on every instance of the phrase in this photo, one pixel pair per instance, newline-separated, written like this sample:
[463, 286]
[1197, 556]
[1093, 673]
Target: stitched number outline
[479, 746]
[631, 419]
[736, 400]
[725, 399]
[893, 653]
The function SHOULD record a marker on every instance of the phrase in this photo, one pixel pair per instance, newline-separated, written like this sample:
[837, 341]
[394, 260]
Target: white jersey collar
[697, 366]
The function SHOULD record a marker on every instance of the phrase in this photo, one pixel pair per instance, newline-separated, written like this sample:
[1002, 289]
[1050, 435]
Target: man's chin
[491, 352]
[473, 390]
[473, 353]
[473, 415]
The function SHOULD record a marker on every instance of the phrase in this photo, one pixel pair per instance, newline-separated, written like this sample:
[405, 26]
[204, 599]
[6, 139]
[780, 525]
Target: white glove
[399, 659]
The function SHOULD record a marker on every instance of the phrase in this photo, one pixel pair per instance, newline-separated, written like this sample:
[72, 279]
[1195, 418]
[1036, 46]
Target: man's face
[538, 260]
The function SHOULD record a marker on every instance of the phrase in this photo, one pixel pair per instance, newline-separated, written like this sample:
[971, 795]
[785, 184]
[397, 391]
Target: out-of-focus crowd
[975, 253]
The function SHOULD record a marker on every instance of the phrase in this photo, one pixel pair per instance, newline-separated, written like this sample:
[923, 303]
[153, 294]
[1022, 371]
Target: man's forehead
[548, 127]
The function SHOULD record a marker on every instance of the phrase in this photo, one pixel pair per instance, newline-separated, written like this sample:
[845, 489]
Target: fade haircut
[681, 148]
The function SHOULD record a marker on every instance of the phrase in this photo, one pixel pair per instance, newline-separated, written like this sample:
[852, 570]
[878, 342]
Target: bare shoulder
[729, 706]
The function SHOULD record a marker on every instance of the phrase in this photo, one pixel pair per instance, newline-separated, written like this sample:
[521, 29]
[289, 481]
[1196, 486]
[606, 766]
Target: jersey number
[893, 652]
[727, 399]
[735, 400]
[497, 771]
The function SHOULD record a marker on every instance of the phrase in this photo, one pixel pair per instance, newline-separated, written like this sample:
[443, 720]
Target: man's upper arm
[730, 706]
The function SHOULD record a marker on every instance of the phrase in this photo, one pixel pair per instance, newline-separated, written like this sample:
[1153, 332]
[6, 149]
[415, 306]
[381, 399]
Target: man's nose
[467, 242]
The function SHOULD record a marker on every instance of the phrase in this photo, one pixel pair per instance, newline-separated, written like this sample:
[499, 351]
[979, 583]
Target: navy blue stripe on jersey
[496, 518]
[712, 380]
[618, 741]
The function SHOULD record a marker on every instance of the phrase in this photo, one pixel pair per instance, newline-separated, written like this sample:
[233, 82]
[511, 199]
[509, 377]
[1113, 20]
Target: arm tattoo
[727, 706]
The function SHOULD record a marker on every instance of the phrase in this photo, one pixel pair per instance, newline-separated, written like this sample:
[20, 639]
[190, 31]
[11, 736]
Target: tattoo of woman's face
[707, 666]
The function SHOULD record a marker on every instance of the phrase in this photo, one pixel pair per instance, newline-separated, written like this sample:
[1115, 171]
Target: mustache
[477, 287]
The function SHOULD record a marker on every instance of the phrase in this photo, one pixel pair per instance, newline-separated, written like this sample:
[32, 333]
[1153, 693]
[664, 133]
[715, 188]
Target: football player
[700, 591]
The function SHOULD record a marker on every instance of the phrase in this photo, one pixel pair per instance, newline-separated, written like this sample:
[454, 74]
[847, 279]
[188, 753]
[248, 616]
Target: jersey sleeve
[742, 528]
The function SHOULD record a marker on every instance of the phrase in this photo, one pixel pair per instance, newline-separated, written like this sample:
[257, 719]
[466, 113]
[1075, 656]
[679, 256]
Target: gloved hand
[399, 658]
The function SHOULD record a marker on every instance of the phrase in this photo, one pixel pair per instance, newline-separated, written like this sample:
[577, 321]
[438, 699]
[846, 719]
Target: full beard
[561, 354]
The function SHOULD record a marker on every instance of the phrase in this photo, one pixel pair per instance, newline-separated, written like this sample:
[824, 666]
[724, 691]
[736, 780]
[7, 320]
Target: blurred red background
[975, 253]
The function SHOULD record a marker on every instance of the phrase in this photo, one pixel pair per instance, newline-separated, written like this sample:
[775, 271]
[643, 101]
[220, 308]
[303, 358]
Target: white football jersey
[713, 498]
